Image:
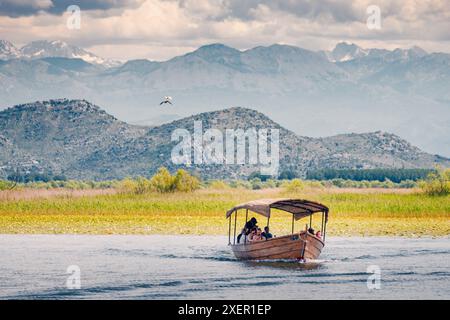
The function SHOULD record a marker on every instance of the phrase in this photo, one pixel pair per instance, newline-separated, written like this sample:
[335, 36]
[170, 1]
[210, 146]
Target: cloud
[17, 8]
[14, 8]
[336, 10]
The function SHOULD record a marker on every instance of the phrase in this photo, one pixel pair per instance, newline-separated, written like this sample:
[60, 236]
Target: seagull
[167, 99]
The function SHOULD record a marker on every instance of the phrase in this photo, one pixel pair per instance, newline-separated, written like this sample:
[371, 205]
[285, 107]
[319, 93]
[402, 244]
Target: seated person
[311, 230]
[251, 235]
[240, 235]
[249, 225]
[266, 234]
[319, 234]
[256, 235]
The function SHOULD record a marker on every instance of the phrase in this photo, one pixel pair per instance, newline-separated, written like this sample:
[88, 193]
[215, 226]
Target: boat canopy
[298, 207]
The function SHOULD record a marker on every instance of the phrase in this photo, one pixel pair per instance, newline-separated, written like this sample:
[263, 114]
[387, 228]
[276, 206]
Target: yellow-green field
[366, 212]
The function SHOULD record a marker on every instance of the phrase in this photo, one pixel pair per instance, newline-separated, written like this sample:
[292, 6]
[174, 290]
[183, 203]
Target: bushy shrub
[388, 184]
[437, 183]
[295, 185]
[408, 184]
[6, 185]
[240, 184]
[185, 182]
[338, 182]
[218, 185]
[142, 186]
[76, 185]
[256, 183]
[270, 183]
[314, 184]
[127, 185]
[163, 181]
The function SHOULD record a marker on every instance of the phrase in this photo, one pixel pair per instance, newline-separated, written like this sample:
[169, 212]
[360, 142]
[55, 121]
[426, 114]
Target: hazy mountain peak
[138, 66]
[8, 50]
[411, 53]
[418, 50]
[283, 47]
[278, 49]
[46, 48]
[56, 48]
[216, 46]
[344, 45]
[347, 51]
[215, 53]
[211, 50]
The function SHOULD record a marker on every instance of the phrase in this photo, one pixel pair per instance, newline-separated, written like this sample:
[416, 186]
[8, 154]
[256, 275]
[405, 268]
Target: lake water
[203, 267]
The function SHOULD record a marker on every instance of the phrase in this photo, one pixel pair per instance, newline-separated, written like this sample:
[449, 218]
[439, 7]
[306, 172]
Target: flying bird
[167, 99]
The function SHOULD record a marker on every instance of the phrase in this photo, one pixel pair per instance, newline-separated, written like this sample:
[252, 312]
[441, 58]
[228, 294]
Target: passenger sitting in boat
[249, 225]
[311, 230]
[266, 234]
[319, 234]
[246, 231]
[256, 235]
[240, 235]
[251, 234]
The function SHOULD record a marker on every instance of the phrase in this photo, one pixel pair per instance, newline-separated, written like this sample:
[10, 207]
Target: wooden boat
[297, 245]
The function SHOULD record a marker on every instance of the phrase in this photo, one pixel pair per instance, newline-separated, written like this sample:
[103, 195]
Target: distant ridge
[82, 141]
[349, 88]
[51, 49]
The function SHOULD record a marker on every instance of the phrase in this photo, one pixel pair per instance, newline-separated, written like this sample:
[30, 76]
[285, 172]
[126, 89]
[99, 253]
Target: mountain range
[46, 49]
[347, 89]
[81, 141]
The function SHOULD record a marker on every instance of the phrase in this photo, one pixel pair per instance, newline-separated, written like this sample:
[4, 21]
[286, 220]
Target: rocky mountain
[345, 52]
[51, 49]
[56, 135]
[347, 89]
[349, 51]
[8, 50]
[82, 141]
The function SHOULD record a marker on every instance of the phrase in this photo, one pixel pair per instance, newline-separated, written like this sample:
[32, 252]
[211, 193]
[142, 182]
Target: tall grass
[203, 212]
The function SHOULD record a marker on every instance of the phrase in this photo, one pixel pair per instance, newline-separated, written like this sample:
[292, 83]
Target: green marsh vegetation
[181, 204]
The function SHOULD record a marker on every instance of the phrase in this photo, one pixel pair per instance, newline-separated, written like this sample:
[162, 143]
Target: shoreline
[424, 237]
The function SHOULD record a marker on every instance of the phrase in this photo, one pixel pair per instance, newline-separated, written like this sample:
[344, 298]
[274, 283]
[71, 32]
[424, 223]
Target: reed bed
[352, 212]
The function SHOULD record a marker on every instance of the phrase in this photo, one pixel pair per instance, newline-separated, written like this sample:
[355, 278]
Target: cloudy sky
[160, 29]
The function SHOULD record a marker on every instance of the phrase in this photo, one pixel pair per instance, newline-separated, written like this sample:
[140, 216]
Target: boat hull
[297, 246]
